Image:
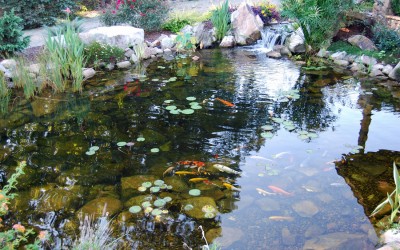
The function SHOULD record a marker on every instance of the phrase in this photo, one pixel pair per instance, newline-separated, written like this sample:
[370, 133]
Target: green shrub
[385, 38]
[86, 5]
[319, 19]
[97, 53]
[146, 14]
[221, 19]
[175, 24]
[11, 36]
[36, 13]
[396, 7]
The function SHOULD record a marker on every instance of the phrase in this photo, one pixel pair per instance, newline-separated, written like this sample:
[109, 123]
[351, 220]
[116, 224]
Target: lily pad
[167, 199]
[277, 120]
[155, 150]
[196, 107]
[191, 98]
[90, 152]
[290, 127]
[155, 80]
[267, 127]
[312, 135]
[94, 148]
[194, 103]
[142, 189]
[171, 107]
[146, 204]
[121, 144]
[168, 101]
[208, 209]
[147, 184]
[160, 203]
[161, 67]
[286, 123]
[172, 79]
[188, 207]
[187, 111]
[155, 189]
[140, 139]
[156, 212]
[209, 215]
[302, 132]
[135, 209]
[158, 183]
[194, 192]
[174, 112]
[303, 137]
[267, 135]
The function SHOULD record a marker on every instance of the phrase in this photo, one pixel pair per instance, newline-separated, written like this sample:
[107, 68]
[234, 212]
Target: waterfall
[273, 35]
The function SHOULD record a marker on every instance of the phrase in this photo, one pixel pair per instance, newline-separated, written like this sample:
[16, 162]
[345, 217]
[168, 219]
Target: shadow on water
[275, 128]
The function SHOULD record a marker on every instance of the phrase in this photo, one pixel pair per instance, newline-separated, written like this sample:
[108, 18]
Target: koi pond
[235, 149]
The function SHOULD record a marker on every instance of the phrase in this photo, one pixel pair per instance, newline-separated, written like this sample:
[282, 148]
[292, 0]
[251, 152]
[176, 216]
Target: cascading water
[272, 35]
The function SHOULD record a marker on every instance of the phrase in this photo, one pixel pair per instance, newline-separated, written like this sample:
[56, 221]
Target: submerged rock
[198, 203]
[97, 206]
[268, 204]
[339, 240]
[305, 208]
[129, 185]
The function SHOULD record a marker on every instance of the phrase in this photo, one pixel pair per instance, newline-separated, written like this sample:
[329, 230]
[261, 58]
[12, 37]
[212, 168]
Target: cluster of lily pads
[289, 126]
[286, 96]
[159, 203]
[92, 150]
[356, 149]
[304, 135]
[139, 139]
[173, 109]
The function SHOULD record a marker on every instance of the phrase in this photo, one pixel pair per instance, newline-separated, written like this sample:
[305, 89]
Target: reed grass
[24, 79]
[5, 94]
[220, 18]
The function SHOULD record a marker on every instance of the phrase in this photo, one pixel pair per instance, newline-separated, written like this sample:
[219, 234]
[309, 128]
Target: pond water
[278, 129]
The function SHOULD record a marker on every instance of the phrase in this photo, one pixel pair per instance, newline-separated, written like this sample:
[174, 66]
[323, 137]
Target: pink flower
[42, 235]
[67, 10]
[19, 228]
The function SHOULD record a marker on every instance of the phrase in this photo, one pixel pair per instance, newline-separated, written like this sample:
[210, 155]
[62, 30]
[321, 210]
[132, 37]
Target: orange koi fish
[194, 180]
[231, 187]
[184, 173]
[279, 190]
[281, 218]
[198, 164]
[226, 103]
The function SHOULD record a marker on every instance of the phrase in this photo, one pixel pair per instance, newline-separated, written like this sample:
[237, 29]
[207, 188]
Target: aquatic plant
[24, 79]
[221, 20]
[96, 235]
[185, 42]
[135, 209]
[194, 192]
[392, 199]
[4, 94]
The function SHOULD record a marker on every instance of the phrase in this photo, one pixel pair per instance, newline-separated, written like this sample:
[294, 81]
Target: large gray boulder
[246, 26]
[119, 36]
[296, 42]
[205, 36]
[395, 73]
[362, 42]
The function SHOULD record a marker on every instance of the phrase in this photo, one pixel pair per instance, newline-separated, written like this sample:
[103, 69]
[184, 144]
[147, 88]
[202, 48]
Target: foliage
[267, 12]
[175, 24]
[385, 38]
[11, 39]
[65, 54]
[4, 94]
[184, 42]
[86, 5]
[221, 20]
[396, 7]
[36, 13]
[13, 238]
[95, 235]
[61, 27]
[22, 78]
[146, 14]
[319, 19]
[97, 53]
[394, 204]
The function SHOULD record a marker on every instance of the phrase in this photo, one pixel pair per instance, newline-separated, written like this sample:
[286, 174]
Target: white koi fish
[264, 192]
[225, 169]
[276, 156]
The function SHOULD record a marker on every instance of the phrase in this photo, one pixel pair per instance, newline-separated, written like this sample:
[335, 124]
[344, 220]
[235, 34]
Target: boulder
[9, 64]
[343, 63]
[123, 65]
[367, 60]
[283, 50]
[395, 73]
[88, 73]
[96, 207]
[387, 69]
[227, 42]
[375, 73]
[149, 52]
[128, 52]
[296, 42]
[340, 55]
[340, 240]
[167, 43]
[362, 42]
[204, 35]
[119, 36]
[274, 54]
[323, 53]
[382, 7]
[357, 67]
[246, 25]
[34, 68]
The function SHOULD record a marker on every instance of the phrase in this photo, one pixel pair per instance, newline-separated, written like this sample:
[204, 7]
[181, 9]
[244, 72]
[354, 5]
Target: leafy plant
[175, 24]
[221, 20]
[146, 14]
[319, 19]
[97, 53]
[23, 78]
[76, 24]
[267, 12]
[4, 94]
[385, 38]
[396, 6]
[36, 13]
[13, 238]
[11, 36]
[185, 42]
[392, 199]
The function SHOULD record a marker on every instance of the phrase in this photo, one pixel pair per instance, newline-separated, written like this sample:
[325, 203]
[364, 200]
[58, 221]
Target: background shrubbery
[36, 13]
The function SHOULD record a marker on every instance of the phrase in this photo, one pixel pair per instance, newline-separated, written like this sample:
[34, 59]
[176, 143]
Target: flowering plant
[146, 14]
[267, 12]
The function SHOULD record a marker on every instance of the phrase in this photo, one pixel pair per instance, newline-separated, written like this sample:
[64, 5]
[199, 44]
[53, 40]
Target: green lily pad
[121, 144]
[312, 135]
[208, 209]
[90, 152]
[142, 189]
[156, 212]
[146, 204]
[135, 209]
[194, 103]
[147, 184]
[191, 98]
[187, 111]
[161, 67]
[158, 183]
[196, 107]
[277, 120]
[188, 207]
[140, 139]
[285, 99]
[290, 127]
[302, 132]
[174, 112]
[168, 101]
[167, 199]
[155, 189]
[286, 123]
[155, 150]
[209, 215]
[155, 80]
[303, 137]
[171, 107]
[194, 192]
[267, 127]
[164, 186]
[160, 203]
[172, 79]
[267, 135]
[94, 148]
